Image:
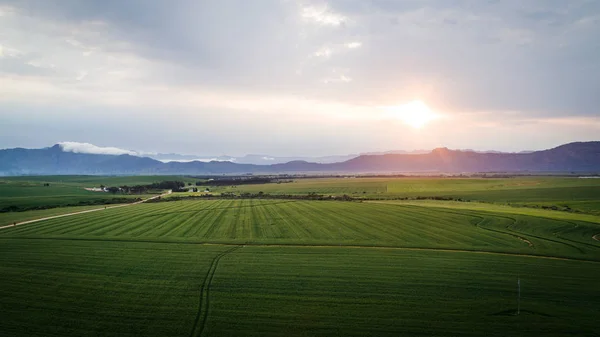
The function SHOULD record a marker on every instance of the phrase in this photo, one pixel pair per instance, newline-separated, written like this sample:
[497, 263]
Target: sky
[299, 77]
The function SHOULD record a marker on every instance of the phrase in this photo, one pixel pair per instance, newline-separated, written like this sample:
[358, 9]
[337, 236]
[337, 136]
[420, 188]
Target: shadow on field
[513, 312]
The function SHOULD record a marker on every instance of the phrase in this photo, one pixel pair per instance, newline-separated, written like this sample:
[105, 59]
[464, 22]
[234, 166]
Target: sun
[415, 113]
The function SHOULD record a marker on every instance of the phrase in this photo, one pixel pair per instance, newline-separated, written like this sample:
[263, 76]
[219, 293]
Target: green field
[88, 181]
[30, 193]
[578, 194]
[273, 267]
[9, 218]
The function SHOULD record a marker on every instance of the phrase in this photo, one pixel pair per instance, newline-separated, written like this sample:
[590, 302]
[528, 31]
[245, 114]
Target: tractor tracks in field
[204, 301]
[594, 237]
[307, 245]
[510, 228]
[513, 221]
[529, 243]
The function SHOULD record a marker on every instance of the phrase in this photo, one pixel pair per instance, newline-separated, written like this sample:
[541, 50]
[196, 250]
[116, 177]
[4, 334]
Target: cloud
[77, 147]
[323, 52]
[322, 15]
[339, 79]
[280, 64]
[204, 160]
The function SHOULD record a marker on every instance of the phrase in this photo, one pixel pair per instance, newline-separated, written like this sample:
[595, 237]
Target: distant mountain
[573, 157]
[257, 159]
[578, 157]
[394, 152]
[265, 159]
[170, 157]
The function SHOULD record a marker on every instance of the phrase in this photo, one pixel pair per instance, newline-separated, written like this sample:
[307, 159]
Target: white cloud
[5, 11]
[204, 160]
[82, 75]
[452, 57]
[77, 147]
[322, 15]
[323, 52]
[9, 52]
[41, 64]
[590, 122]
[339, 79]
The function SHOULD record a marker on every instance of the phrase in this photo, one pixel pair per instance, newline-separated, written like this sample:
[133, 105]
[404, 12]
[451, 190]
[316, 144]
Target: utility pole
[518, 296]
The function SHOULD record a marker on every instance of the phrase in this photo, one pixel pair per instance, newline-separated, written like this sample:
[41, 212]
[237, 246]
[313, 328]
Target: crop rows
[374, 292]
[324, 223]
[306, 268]
[73, 288]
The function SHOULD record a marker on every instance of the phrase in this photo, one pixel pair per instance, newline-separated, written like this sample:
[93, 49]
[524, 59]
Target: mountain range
[572, 157]
[262, 159]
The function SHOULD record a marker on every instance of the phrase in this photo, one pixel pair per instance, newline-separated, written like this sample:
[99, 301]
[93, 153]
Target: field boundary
[509, 216]
[86, 211]
[204, 302]
[292, 245]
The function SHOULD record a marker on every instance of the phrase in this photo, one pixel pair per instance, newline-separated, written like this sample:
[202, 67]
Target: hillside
[573, 157]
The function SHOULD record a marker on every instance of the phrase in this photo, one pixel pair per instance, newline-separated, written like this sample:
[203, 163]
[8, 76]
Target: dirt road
[81, 212]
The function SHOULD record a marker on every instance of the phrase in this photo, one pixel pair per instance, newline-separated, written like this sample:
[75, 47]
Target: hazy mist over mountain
[574, 157]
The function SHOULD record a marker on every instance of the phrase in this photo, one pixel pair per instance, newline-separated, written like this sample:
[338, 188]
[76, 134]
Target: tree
[113, 189]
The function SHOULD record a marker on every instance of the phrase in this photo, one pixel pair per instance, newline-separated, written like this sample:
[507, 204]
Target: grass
[371, 292]
[71, 288]
[578, 194]
[495, 208]
[31, 196]
[90, 181]
[29, 192]
[268, 267]
[74, 288]
[285, 222]
[8, 218]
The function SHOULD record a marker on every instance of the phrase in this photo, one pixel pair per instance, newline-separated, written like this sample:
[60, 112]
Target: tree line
[175, 186]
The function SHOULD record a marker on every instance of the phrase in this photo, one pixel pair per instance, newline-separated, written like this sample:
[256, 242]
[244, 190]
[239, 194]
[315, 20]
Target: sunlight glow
[415, 113]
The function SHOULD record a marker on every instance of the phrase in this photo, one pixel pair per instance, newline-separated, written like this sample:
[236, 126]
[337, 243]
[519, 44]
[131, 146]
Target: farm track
[557, 234]
[308, 245]
[524, 239]
[83, 212]
[513, 221]
[509, 227]
[204, 302]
